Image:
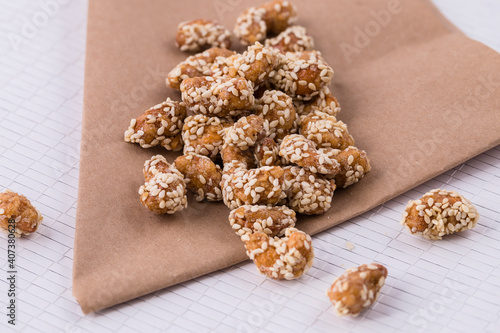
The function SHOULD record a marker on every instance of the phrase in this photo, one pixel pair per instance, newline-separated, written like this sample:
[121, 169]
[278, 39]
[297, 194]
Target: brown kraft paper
[417, 95]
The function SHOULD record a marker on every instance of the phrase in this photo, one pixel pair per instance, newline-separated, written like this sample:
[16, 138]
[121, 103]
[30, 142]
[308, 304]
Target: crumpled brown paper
[417, 95]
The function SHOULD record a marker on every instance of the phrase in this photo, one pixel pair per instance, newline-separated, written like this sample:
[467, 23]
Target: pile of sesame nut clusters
[258, 130]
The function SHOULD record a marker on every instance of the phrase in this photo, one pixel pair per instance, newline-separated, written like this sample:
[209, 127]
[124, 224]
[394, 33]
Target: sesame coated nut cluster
[259, 132]
[18, 208]
[439, 213]
[357, 289]
[164, 191]
[160, 125]
[256, 23]
[201, 34]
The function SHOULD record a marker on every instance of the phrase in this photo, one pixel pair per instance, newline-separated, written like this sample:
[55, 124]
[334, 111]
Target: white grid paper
[448, 286]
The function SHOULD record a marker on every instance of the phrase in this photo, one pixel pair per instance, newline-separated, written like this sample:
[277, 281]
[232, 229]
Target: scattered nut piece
[17, 207]
[280, 258]
[357, 289]
[270, 220]
[439, 213]
[201, 34]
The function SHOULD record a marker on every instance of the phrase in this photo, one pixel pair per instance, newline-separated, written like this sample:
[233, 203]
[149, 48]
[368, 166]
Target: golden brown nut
[266, 152]
[280, 258]
[302, 74]
[234, 154]
[325, 131]
[196, 65]
[165, 190]
[219, 97]
[250, 26]
[354, 164]
[277, 108]
[262, 186]
[439, 213]
[278, 16]
[200, 34]
[298, 150]
[293, 39]
[256, 65]
[18, 209]
[202, 176]
[271, 18]
[155, 165]
[270, 220]
[203, 135]
[307, 193]
[324, 102]
[357, 289]
[246, 131]
[160, 125]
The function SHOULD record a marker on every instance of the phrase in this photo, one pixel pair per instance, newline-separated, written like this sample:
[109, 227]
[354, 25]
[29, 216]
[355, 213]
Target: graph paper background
[446, 286]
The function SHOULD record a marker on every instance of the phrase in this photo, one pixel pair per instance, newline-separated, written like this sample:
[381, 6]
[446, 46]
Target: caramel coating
[262, 186]
[160, 125]
[196, 65]
[165, 191]
[234, 154]
[250, 26]
[157, 164]
[293, 39]
[439, 213]
[219, 97]
[354, 164]
[302, 74]
[325, 131]
[270, 220]
[201, 34]
[257, 64]
[296, 149]
[257, 22]
[357, 289]
[277, 108]
[278, 16]
[246, 131]
[266, 152]
[17, 207]
[202, 176]
[284, 258]
[203, 135]
[324, 102]
[307, 193]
